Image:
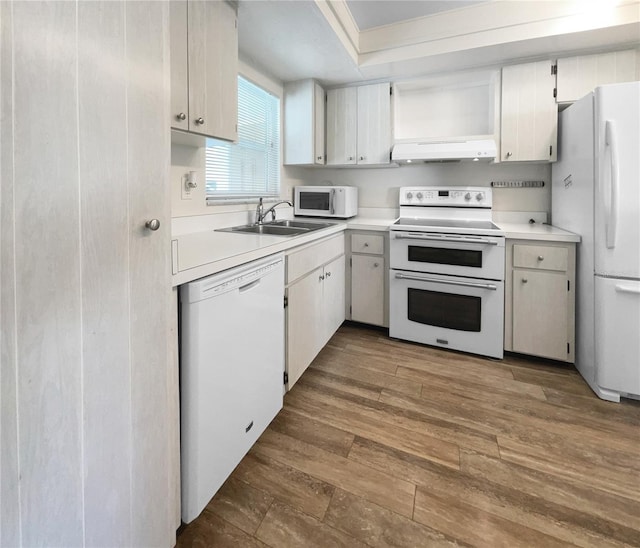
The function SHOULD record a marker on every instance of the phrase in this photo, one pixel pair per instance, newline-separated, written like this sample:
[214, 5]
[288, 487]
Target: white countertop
[537, 231]
[370, 223]
[204, 253]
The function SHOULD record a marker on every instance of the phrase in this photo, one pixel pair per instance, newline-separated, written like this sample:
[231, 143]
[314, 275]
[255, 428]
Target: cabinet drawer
[304, 261]
[367, 243]
[541, 256]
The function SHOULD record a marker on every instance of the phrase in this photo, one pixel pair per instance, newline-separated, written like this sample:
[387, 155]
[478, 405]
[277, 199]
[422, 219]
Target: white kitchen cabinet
[342, 123]
[359, 125]
[204, 68]
[304, 126]
[529, 118]
[315, 301]
[88, 386]
[540, 299]
[579, 75]
[368, 280]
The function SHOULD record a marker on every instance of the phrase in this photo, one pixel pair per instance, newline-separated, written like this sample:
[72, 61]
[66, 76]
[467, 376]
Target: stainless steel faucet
[261, 213]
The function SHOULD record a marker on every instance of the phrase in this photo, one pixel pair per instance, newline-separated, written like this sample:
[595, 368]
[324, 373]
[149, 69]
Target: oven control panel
[436, 196]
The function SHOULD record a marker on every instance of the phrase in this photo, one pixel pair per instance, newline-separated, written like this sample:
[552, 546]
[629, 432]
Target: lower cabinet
[315, 302]
[367, 285]
[540, 299]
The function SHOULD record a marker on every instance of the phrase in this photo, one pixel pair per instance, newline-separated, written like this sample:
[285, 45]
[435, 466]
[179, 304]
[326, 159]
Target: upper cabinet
[359, 125]
[529, 118]
[204, 68]
[577, 76]
[304, 107]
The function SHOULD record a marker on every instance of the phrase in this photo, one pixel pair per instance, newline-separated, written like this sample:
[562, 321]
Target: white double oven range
[447, 262]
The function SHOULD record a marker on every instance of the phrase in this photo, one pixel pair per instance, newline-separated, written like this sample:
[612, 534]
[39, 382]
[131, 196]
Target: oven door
[454, 254]
[448, 311]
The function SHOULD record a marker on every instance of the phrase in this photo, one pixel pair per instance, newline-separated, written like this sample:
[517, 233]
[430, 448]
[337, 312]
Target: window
[250, 167]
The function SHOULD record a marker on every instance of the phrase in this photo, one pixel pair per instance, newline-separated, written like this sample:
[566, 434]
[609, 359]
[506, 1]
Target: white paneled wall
[88, 380]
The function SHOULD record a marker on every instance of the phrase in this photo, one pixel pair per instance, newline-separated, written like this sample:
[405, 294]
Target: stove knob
[409, 195]
[419, 195]
[467, 196]
[479, 196]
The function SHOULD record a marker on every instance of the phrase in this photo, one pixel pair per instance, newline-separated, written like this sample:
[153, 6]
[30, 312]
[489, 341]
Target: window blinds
[250, 167]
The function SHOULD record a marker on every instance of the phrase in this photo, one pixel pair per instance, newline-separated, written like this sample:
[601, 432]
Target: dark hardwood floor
[386, 443]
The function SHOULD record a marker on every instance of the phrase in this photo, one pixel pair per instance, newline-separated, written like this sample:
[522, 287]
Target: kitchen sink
[307, 225]
[278, 228]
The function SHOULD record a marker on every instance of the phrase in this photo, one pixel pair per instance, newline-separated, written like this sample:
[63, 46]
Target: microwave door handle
[451, 240]
[332, 197]
[399, 276]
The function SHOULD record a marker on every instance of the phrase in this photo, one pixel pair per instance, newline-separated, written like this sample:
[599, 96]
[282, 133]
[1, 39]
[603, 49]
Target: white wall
[188, 157]
[378, 188]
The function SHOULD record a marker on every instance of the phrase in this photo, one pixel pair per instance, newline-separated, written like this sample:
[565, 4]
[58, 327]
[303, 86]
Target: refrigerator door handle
[611, 194]
[628, 289]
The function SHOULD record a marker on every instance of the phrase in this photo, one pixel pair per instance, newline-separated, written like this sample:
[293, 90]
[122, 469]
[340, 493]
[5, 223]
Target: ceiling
[350, 41]
[368, 14]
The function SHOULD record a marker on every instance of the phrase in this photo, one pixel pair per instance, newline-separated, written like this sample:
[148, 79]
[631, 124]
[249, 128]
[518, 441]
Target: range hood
[444, 151]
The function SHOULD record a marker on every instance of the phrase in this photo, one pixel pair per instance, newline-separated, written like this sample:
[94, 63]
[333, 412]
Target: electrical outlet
[186, 189]
[189, 182]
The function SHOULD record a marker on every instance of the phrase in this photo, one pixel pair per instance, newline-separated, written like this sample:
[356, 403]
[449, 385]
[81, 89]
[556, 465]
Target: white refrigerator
[596, 193]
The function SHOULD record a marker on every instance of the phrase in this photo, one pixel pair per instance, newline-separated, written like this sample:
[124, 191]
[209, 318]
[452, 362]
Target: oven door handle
[491, 287]
[448, 240]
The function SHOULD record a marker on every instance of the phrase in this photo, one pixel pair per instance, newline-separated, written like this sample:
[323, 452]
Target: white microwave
[326, 201]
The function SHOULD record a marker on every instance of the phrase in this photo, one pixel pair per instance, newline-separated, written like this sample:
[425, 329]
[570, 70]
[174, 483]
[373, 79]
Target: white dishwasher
[231, 372]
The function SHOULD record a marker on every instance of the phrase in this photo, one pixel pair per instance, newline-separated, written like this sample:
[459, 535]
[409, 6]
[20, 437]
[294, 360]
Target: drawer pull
[524, 280]
[540, 258]
[376, 265]
[366, 244]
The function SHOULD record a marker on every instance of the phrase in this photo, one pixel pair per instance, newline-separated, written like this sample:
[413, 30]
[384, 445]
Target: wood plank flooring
[386, 443]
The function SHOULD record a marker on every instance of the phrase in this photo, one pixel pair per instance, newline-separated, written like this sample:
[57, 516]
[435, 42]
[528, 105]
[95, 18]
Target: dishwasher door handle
[249, 286]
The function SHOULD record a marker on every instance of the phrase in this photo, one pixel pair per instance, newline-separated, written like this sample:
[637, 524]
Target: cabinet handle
[320, 278]
[153, 224]
[376, 265]
[351, 158]
[524, 280]
[328, 274]
[319, 157]
[366, 244]
[509, 154]
[182, 116]
[362, 157]
[540, 258]
[200, 121]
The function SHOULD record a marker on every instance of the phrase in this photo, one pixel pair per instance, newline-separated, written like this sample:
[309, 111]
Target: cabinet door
[579, 75]
[179, 65]
[367, 289]
[540, 314]
[374, 124]
[332, 300]
[529, 113]
[303, 123]
[304, 322]
[213, 69]
[318, 124]
[341, 126]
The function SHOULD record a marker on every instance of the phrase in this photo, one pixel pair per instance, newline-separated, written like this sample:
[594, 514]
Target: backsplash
[378, 188]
